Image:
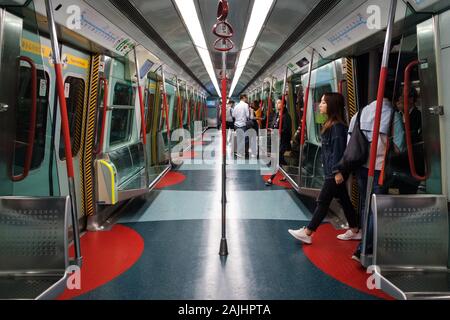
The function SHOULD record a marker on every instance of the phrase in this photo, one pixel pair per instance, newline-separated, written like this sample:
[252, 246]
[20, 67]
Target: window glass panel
[23, 119]
[124, 95]
[121, 126]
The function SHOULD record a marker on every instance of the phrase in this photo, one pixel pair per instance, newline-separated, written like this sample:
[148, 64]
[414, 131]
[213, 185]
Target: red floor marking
[277, 181]
[333, 257]
[170, 179]
[106, 255]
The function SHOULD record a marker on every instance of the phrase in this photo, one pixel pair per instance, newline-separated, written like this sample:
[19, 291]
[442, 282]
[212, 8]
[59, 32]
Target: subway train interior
[224, 150]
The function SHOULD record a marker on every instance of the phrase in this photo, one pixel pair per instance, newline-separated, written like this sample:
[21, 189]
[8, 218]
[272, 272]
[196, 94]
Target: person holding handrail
[334, 141]
[391, 124]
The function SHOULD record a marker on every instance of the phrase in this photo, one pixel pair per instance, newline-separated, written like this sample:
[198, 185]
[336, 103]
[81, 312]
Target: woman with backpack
[334, 142]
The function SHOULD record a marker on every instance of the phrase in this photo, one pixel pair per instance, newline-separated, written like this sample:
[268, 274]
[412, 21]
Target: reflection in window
[75, 92]
[124, 95]
[23, 118]
[121, 126]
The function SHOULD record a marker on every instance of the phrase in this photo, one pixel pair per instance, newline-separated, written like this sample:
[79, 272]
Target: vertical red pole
[143, 122]
[366, 259]
[166, 111]
[224, 111]
[269, 108]
[189, 113]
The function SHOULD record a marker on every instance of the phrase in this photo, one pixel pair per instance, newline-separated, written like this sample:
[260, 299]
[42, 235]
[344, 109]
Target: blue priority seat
[33, 247]
[411, 246]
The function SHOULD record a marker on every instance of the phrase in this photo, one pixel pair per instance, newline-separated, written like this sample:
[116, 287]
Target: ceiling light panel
[260, 11]
[190, 17]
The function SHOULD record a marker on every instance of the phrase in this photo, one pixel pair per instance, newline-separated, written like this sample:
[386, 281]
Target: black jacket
[286, 131]
[334, 142]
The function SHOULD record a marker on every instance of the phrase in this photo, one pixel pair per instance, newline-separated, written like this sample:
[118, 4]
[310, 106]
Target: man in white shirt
[241, 113]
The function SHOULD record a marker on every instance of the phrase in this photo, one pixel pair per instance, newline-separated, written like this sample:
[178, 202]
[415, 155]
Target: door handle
[436, 110]
[4, 107]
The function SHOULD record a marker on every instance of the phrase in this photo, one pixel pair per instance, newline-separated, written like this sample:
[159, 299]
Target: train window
[75, 89]
[121, 126]
[23, 119]
[124, 95]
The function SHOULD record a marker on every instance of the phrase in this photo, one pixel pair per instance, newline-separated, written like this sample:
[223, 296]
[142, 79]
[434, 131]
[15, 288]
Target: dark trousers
[331, 190]
[363, 175]
[281, 159]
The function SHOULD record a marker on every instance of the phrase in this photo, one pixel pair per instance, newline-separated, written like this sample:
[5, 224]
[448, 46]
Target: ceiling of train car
[238, 17]
[164, 18]
[286, 15]
[284, 18]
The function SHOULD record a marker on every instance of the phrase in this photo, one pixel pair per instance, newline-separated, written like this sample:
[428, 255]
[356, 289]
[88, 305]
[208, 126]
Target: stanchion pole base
[223, 248]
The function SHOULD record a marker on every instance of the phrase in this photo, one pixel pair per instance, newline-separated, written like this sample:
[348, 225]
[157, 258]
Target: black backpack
[357, 151]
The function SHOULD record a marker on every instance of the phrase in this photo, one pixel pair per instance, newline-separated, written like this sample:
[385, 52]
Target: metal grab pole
[141, 99]
[303, 128]
[305, 104]
[143, 119]
[223, 243]
[269, 105]
[166, 111]
[283, 102]
[366, 260]
[65, 129]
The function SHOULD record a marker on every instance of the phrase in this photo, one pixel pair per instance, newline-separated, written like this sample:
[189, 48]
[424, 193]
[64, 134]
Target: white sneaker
[301, 235]
[350, 235]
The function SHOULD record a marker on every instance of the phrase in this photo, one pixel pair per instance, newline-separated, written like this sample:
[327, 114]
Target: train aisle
[166, 245]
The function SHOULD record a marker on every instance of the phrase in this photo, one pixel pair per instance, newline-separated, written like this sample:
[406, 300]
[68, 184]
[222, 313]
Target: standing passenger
[367, 123]
[241, 113]
[286, 134]
[334, 141]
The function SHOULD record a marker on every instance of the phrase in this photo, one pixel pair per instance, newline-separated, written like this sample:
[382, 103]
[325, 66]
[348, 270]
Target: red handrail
[32, 126]
[406, 90]
[222, 11]
[143, 122]
[228, 42]
[166, 110]
[223, 35]
[269, 108]
[283, 101]
[189, 113]
[179, 110]
[105, 110]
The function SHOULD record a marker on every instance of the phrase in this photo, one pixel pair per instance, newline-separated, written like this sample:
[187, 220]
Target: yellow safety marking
[352, 110]
[35, 48]
[111, 170]
[88, 156]
[76, 61]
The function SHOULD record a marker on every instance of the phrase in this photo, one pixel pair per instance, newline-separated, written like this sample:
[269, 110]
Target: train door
[42, 158]
[10, 34]
[28, 166]
[76, 71]
[415, 59]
